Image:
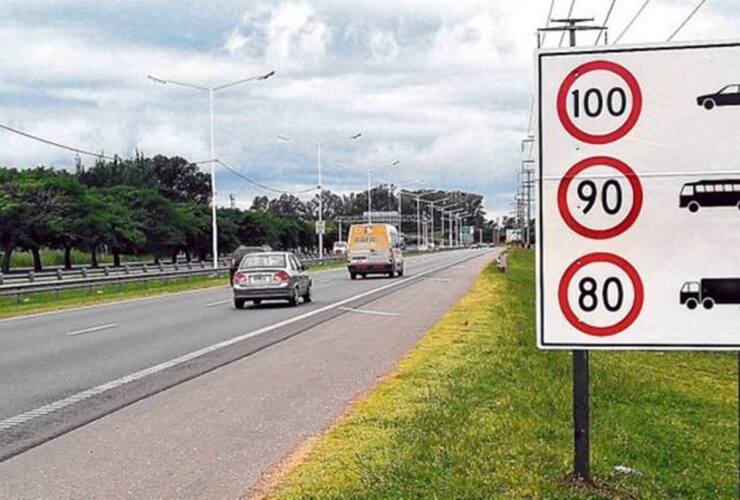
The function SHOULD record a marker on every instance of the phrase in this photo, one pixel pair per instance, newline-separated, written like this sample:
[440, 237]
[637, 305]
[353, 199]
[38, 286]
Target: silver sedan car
[271, 276]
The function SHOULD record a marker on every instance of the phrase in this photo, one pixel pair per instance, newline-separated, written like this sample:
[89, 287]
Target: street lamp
[212, 158]
[454, 217]
[431, 207]
[449, 218]
[369, 171]
[399, 184]
[319, 146]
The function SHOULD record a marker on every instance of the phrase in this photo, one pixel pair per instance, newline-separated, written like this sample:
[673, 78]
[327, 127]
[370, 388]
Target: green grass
[49, 301]
[476, 411]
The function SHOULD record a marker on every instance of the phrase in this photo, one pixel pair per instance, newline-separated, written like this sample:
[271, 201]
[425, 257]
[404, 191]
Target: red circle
[601, 331]
[620, 132]
[600, 234]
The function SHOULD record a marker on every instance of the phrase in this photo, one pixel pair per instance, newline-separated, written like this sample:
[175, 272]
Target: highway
[62, 370]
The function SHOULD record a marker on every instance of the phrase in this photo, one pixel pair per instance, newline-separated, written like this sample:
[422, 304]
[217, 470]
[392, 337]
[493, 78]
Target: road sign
[513, 235]
[321, 227]
[639, 197]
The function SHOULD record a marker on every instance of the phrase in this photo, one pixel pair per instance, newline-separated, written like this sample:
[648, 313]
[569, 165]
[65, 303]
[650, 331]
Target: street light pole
[321, 204]
[212, 146]
[319, 146]
[368, 171]
[369, 199]
[214, 223]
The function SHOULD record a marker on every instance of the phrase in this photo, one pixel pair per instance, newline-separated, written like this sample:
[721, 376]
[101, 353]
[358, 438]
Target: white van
[374, 249]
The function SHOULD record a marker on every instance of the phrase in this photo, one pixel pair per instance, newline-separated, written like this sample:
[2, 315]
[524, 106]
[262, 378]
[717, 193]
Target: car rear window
[257, 260]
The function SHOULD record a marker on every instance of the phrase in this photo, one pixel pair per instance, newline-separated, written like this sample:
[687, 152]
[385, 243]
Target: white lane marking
[368, 311]
[220, 302]
[441, 280]
[26, 417]
[92, 329]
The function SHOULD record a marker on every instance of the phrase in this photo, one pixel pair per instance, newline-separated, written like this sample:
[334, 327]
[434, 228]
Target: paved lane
[213, 436]
[46, 358]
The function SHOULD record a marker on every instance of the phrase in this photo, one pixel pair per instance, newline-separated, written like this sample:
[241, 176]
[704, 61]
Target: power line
[57, 144]
[547, 23]
[114, 158]
[259, 184]
[606, 20]
[693, 12]
[632, 21]
[570, 13]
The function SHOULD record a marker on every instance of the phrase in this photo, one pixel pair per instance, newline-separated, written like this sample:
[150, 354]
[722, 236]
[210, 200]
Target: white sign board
[321, 227]
[639, 197]
[513, 235]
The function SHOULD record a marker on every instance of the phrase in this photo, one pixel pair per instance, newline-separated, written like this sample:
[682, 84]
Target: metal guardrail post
[1, 278]
[161, 268]
[106, 271]
[144, 268]
[60, 275]
[31, 276]
[83, 272]
[126, 269]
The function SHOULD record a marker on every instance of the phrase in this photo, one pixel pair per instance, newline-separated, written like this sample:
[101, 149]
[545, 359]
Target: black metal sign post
[581, 442]
[582, 455]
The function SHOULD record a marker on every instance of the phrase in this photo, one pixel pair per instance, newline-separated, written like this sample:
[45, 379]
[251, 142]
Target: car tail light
[240, 279]
[281, 277]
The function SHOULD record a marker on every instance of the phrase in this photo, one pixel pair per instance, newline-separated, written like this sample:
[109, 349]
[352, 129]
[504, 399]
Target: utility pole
[581, 441]
[232, 200]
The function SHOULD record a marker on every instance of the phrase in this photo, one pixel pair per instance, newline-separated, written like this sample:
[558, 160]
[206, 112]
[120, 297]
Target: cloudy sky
[443, 86]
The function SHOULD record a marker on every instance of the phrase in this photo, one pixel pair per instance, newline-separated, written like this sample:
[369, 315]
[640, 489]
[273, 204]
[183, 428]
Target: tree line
[160, 206]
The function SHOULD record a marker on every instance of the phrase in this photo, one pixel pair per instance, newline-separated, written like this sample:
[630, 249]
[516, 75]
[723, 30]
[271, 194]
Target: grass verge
[475, 411]
[49, 301]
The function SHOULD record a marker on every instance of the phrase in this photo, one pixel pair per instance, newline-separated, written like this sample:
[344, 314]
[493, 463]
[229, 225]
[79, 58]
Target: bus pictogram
[710, 193]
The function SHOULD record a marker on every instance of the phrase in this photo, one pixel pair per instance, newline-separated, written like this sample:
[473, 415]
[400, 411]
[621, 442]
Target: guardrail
[15, 286]
[88, 278]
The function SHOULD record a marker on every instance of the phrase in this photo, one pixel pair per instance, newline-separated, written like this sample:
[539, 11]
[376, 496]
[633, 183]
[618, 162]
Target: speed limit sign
[638, 217]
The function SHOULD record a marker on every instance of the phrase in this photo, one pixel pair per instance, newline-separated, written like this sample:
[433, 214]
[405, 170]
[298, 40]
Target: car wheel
[257, 302]
[708, 303]
[708, 104]
[239, 303]
[307, 297]
[693, 207]
[293, 301]
[400, 272]
[691, 304]
[353, 276]
[364, 276]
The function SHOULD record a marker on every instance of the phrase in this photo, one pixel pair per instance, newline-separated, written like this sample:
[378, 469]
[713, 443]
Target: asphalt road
[215, 435]
[61, 370]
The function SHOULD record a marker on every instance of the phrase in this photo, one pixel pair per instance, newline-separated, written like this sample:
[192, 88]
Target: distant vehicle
[710, 193]
[374, 249]
[727, 96]
[710, 291]
[238, 255]
[340, 248]
[271, 276]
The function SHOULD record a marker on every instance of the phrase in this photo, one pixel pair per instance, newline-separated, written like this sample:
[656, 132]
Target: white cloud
[443, 86]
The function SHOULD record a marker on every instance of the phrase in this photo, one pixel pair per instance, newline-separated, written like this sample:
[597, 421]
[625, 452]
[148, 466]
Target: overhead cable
[606, 21]
[57, 144]
[570, 13]
[685, 21]
[632, 21]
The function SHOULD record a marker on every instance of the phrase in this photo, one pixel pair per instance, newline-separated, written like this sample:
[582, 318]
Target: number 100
[593, 102]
